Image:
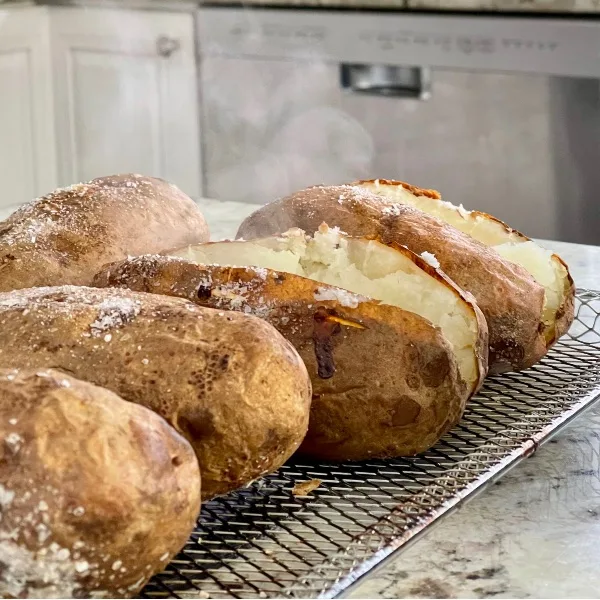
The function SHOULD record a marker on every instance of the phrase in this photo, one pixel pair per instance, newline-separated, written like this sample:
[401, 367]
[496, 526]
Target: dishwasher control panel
[563, 47]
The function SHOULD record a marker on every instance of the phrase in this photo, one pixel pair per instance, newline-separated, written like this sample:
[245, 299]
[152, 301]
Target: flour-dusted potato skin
[507, 294]
[96, 494]
[67, 235]
[385, 381]
[230, 383]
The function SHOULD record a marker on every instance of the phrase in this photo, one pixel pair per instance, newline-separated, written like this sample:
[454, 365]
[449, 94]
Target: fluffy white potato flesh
[364, 267]
[542, 265]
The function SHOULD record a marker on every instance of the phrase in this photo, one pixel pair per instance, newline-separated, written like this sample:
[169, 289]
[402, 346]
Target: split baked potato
[548, 269]
[389, 376]
[228, 382]
[96, 494]
[66, 236]
[513, 302]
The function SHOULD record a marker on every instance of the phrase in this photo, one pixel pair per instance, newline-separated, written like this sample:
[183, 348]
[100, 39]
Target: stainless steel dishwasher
[499, 113]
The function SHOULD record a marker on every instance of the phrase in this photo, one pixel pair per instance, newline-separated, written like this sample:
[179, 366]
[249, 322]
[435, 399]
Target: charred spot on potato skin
[506, 348]
[406, 411]
[49, 346]
[199, 426]
[561, 312]
[323, 332]
[203, 292]
[436, 370]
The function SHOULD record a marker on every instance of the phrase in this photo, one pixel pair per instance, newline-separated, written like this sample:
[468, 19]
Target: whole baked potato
[96, 494]
[386, 381]
[512, 301]
[66, 236]
[228, 382]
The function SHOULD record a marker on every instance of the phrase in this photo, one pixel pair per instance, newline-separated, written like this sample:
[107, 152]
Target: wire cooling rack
[265, 542]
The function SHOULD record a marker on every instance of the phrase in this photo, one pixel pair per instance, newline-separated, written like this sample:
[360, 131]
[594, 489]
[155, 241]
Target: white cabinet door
[27, 159]
[126, 95]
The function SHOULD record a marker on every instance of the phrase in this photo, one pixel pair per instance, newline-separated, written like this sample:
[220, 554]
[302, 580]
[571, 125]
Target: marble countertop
[534, 534]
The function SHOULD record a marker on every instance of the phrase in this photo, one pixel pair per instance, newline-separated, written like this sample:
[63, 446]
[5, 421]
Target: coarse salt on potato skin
[96, 494]
[510, 299]
[67, 235]
[230, 383]
[385, 381]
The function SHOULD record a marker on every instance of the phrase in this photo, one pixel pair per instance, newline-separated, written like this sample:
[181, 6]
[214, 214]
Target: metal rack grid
[263, 541]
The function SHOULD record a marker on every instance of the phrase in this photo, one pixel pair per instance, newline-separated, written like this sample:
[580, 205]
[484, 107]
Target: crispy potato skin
[509, 298]
[98, 494]
[229, 383]
[66, 236]
[394, 387]
[565, 313]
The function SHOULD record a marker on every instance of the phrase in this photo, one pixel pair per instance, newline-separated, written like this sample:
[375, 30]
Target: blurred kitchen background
[496, 103]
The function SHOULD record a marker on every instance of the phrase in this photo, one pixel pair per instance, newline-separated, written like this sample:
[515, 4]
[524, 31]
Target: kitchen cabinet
[113, 90]
[27, 154]
[126, 94]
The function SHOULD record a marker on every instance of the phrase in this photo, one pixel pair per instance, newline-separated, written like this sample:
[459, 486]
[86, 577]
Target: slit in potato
[366, 267]
[544, 266]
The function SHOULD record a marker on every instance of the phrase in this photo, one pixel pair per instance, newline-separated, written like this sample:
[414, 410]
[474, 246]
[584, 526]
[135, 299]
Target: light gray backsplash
[483, 140]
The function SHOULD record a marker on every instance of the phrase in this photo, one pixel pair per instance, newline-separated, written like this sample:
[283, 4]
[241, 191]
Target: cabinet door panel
[27, 157]
[114, 130]
[18, 160]
[126, 95]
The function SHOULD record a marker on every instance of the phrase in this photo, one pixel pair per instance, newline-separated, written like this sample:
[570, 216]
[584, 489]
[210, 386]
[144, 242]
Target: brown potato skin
[510, 299]
[396, 388]
[564, 315]
[98, 494]
[66, 236]
[229, 383]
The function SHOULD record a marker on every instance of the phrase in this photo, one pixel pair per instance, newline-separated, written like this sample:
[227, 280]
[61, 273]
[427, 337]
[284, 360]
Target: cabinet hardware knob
[166, 46]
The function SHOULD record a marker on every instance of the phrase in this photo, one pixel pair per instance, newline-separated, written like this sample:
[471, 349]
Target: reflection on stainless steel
[262, 541]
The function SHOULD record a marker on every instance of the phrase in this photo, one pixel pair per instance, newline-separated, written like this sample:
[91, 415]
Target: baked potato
[385, 381]
[392, 274]
[228, 382]
[66, 236]
[509, 297]
[96, 494]
[546, 268]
